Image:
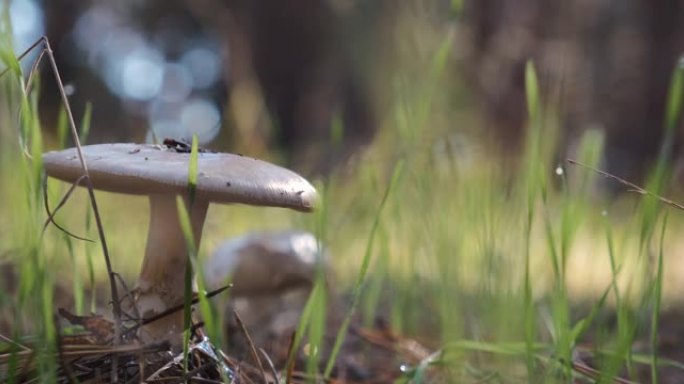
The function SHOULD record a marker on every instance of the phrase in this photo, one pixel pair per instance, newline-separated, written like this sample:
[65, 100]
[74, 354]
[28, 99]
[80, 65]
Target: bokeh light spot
[142, 74]
[204, 66]
[201, 117]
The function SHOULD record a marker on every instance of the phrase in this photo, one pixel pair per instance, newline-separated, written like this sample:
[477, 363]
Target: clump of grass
[34, 298]
[489, 259]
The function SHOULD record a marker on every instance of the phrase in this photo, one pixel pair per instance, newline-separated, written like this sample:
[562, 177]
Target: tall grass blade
[363, 271]
[186, 227]
[533, 182]
[662, 172]
[303, 325]
[62, 128]
[316, 327]
[193, 168]
[675, 99]
[319, 299]
[85, 122]
[657, 300]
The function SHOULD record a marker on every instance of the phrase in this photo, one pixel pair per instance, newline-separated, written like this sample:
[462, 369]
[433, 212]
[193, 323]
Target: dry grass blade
[633, 187]
[23, 54]
[89, 350]
[252, 348]
[596, 375]
[127, 295]
[34, 67]
[276, 377]
[13, 342]
[5, 357]
[201, 369]
[51, 214]
[243, 371]
[173, 310]
[290, 351]
[91, 193]
[179, 307]
[302, 377]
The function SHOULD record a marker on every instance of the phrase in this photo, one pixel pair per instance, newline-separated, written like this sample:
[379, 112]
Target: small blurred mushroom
[272, 275]
[162, 173]
[264, 263]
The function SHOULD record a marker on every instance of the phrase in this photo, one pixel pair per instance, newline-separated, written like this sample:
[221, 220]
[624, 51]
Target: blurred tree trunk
[292, 74]
[613, 59]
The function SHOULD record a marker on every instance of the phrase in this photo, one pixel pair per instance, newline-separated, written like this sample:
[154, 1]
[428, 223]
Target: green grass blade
[532, 92]
[661, 173]
[184, 219]
[316, 327]
[532, 183]
[363, 271]
[657, 299]
[303, 325]
[7, 50]
[186, 227]
[674, 101]
[319, 303]
[85, 122]
[193, 168]
[62, 128]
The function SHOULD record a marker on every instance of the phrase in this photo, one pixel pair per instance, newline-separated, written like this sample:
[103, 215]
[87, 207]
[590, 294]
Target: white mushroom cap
[153, 169]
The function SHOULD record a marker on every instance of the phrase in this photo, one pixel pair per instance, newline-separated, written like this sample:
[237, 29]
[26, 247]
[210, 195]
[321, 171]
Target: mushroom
[272, 275]
[265, 263]
[161, 173]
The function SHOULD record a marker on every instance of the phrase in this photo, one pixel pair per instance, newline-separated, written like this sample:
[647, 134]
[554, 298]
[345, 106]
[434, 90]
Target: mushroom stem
[161, 283]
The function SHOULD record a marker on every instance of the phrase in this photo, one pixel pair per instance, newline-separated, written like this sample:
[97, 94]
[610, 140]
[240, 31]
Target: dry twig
[51, 214]
[632, 187]
[250, 342]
